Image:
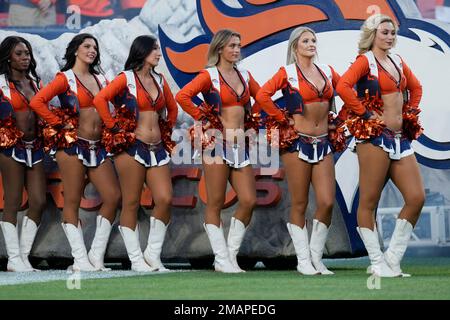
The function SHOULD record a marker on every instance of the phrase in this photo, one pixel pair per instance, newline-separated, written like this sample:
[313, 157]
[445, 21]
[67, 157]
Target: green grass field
[430, 280]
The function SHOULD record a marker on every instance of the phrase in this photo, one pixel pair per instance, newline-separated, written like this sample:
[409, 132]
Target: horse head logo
[265, 26]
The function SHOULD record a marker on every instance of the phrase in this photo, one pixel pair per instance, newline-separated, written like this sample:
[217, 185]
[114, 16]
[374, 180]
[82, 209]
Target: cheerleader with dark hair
[75, 130]
[143, 123]
[21, 149]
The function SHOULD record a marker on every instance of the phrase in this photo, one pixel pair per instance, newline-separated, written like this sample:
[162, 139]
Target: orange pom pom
[62, 138]
[208, 113]
[9, 133]
[337, 135]
[365, 129]
[373, 103]
[412, 127]
[286, 132]
[166, 135]
[116, 142]
[252, 121]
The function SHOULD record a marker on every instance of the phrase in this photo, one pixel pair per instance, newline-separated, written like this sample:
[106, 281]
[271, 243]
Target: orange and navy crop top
[60, 86]
[12, 99]
[297, 90]
[127, 89]
[217, 92]
[372, 78]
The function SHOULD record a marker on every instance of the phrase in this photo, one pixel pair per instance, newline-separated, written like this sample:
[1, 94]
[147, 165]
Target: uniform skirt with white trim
[392, 142]
[149, 155]
[27, 152]
[91, 153]
[311, 149]
[234, 155]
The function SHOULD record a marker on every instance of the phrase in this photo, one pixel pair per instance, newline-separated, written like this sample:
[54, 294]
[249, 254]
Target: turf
[431, 280]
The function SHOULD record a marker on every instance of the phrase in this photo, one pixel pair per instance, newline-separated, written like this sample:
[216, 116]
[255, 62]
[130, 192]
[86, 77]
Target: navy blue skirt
[91, 153]
[393, 142]
[310, 148]
[149, 155]
[27, 152]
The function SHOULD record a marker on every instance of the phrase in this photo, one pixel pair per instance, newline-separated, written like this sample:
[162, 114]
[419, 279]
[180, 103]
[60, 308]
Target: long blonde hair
[219, 41]
[369, 31]
[292, 44]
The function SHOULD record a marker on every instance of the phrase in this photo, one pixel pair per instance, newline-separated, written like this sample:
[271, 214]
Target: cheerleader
[227, 89]
[383, 119]
[78, 148]
[145, 96]
[21, 150]
[308, 91]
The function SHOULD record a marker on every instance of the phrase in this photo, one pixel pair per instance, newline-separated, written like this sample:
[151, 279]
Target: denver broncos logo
[265, 26]
[260, 20]
[266, 23]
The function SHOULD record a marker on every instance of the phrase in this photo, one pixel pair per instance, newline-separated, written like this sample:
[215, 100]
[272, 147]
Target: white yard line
[15, 278]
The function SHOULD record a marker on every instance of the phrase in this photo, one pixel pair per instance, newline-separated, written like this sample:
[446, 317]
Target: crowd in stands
[26, 13]
[42, 13]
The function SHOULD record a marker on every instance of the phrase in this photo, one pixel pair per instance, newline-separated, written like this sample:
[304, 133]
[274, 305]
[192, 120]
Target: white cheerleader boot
[222, 261]
[235, 236]
[152, 253]
[299, 238]
[378, 265]
[397, 247]
[131, 240]
[317, 244]
[27, 236]
[15, 262]
[96, 254]
[75, 237]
